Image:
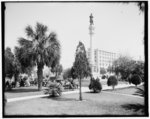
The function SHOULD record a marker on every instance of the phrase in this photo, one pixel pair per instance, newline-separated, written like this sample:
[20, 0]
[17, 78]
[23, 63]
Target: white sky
[118, 27]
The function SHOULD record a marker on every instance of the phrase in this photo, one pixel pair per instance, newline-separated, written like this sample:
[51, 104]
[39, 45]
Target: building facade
[102, 59]
[98, 58]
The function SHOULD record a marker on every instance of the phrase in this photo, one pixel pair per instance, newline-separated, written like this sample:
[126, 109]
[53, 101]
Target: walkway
[84, 89]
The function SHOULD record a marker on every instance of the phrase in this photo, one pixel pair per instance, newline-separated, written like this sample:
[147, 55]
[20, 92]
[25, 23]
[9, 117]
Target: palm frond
[141, 6]
[52, 37]
[25, 56]
[52, 50]
[29, 31]
[140, 92]
[24, 42]
[41, 29]
[52, 42]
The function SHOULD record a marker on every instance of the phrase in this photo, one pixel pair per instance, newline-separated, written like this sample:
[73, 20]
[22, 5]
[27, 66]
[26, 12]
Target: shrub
[68, 85]
[71, 84]
[75, 84]
[103, 77]
[8, 85]
[95, 85]
[112, 81]
[54, 89]
[136, 79]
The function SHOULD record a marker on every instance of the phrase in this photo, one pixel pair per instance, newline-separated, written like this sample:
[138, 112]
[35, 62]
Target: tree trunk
[117, 76]
[80, 98]
[16, 80]
[40, 77]
[56, 74]
[113, 87]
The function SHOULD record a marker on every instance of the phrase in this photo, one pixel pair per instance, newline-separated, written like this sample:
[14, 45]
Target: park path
[84, 89]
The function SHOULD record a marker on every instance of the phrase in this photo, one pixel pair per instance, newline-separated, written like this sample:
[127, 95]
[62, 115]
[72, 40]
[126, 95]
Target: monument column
[91, 32]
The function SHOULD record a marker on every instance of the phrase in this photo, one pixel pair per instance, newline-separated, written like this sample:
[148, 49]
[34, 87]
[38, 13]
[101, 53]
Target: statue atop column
[91, 19]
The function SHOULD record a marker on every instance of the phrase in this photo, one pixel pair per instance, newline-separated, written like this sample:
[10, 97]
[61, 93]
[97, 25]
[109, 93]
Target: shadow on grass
[22, 90]
[61, 98]
[116, 89]
[140, 92]
[134, 107]
[92, 92]
[111, 90]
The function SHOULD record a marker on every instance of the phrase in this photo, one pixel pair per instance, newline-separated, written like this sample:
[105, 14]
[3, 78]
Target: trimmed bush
[103, 77]
[54, 89]
[95, 85]
[75, 84]
[136, 79]
[112, 81]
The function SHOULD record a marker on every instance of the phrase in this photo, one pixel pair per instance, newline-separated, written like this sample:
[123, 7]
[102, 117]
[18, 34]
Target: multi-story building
[102, 59]
[97, 58]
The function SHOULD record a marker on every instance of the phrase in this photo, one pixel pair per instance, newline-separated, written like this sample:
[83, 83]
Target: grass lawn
[24, 91]
[33, 90]
[93, 104]
[129, 90]
[27, 91]
[85, 82]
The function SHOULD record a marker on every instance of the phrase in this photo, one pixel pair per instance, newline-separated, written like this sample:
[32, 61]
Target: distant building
[102, 59]
[97, 58]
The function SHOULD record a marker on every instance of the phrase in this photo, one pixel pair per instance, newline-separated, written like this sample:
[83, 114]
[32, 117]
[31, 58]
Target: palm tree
[38, 49]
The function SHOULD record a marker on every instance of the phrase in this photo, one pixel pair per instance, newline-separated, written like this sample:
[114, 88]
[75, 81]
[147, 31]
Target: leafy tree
[17, 69]
[38, 49]
[109, 69]
[143, 8]
[138, 68]
[102, 71]
[112, 81]
[12, 65]
[126, 66]
[81, 67]
[123, 65]
[9, 57]
[57, 69]
[67, 73]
